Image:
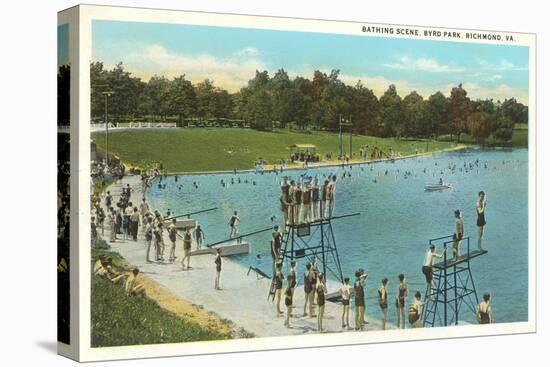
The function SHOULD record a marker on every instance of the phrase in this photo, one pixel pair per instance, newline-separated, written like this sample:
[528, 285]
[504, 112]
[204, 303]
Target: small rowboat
[436, 187]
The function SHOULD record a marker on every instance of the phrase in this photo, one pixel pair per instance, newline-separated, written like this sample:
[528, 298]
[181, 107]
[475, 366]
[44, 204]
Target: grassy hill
[193, 150]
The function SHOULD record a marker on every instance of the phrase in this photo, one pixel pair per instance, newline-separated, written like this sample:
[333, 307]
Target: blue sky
[230, 57]
[62, 44]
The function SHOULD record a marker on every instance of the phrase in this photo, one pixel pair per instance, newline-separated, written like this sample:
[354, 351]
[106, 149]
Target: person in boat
[484, 312]
[480, 209]
[441, 180]
[458, 235]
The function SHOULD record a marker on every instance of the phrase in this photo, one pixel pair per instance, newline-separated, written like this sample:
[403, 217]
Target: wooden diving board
[462, 258]
[231, 249]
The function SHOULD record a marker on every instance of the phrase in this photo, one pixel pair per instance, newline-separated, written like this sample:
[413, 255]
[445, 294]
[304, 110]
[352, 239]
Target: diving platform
[228, 249]
[461, 259]
[452, 285]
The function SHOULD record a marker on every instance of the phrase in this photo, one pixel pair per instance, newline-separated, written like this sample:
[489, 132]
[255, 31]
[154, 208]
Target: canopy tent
[308, 148]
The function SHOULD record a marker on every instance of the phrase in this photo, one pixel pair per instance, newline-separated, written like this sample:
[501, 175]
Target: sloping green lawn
[218, 149]
[119, 319]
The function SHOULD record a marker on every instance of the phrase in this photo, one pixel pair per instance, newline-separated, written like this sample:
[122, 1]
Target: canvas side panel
[67, 322]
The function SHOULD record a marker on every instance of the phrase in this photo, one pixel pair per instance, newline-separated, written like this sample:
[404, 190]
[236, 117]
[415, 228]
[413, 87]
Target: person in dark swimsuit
[358, 287]
[288, 304]
[276, 244]
[308, 289]
[484, 312]
[480, 210]
[218, 262]
[321, 291]
[383, 301]
[291, 278]
[187, 241]
[345, 293]
[279, 277]
[400, 301]
[298, 193]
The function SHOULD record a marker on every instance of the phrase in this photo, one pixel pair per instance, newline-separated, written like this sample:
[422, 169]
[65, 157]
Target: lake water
[397, 218]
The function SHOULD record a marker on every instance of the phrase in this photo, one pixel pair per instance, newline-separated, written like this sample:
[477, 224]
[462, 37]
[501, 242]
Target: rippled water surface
[397, 217]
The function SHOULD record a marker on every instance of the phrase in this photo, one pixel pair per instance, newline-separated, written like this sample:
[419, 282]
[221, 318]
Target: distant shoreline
[333, 163]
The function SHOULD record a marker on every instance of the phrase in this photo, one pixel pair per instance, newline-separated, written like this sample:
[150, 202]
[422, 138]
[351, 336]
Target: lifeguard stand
[314, 240]
[452, 285]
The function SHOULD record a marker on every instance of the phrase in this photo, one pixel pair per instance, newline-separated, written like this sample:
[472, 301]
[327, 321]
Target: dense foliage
[320, 103]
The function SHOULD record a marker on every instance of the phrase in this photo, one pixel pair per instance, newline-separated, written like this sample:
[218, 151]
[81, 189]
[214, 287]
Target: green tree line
[319, 103]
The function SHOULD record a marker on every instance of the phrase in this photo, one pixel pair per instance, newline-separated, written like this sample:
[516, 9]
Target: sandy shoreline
[333, 163]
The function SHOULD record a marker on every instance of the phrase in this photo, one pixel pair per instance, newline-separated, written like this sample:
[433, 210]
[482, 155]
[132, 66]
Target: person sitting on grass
[132, 286]
[104, 267]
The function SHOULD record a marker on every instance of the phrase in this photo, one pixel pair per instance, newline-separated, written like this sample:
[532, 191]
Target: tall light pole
[345, 123]
[107, 94]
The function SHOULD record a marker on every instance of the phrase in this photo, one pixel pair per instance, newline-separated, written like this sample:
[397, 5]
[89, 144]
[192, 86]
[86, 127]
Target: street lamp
[346, 123]
[107, 94]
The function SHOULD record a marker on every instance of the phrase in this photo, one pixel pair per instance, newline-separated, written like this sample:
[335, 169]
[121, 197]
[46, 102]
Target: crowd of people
[304, 200]
[298, 207]
[308, 201]
[308, 157]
